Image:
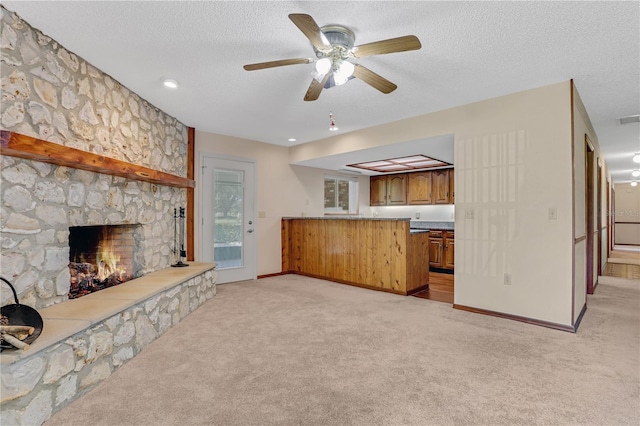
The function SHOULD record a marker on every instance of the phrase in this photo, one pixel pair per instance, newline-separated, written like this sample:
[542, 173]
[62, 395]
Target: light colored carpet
[293, 350]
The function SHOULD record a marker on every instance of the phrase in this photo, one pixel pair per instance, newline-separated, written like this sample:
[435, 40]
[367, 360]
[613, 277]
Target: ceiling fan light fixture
[343, 72]
[323, 66]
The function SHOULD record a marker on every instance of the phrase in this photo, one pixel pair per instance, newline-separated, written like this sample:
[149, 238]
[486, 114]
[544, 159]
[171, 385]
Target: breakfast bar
[376, 253]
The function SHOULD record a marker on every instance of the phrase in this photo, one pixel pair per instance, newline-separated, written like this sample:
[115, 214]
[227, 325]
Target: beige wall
[627, 210]
[282, 190]
[512, 163]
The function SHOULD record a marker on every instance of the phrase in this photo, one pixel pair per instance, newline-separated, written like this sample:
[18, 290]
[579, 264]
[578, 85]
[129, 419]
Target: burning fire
[108, 262]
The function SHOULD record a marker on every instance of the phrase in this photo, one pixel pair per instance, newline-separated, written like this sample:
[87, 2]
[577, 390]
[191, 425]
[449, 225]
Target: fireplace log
[15, 342]
[12, 329]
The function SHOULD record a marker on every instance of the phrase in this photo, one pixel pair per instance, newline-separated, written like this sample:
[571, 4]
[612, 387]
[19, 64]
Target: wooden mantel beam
[22, 146]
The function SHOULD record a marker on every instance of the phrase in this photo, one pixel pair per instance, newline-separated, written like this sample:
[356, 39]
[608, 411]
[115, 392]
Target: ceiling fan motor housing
[341, 38]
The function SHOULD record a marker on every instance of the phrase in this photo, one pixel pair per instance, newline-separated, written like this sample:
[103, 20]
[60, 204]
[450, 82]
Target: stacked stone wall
[52, 94]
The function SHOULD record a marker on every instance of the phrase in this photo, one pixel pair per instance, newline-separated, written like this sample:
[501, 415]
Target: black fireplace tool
[178, 233]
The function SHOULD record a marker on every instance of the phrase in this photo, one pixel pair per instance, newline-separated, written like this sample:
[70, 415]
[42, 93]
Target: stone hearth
[85, 340]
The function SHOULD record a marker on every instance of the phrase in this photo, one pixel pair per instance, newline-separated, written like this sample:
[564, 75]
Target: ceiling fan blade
[374, 80]
[308, 26]
[399, 44]
[313, 92]
[280, 63]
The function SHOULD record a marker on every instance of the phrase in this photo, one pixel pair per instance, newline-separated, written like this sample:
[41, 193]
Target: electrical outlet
[469, 214]
[507, 279]
[553, 213]
[417, 215]
[262, 215]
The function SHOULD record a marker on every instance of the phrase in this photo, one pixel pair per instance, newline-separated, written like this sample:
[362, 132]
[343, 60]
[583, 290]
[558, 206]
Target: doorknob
[249, 231]
[250, 222]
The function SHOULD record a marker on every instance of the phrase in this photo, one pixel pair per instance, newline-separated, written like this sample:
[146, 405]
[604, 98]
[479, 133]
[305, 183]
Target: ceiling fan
[333, 46]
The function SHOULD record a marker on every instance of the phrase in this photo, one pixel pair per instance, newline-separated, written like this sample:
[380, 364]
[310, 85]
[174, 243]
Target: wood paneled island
[380, 254]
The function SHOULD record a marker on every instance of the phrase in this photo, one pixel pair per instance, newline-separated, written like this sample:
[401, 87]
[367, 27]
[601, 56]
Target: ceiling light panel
[411, 162]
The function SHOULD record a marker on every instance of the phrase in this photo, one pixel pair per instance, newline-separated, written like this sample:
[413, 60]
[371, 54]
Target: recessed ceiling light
[635, 173]
[636, 158]
[634, 183]
[292, 139]
[172, 84]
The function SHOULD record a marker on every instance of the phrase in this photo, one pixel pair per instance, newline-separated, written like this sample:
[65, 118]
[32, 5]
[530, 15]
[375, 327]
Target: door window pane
[228, 205]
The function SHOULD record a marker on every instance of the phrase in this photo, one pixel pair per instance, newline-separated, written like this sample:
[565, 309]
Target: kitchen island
[376, 253]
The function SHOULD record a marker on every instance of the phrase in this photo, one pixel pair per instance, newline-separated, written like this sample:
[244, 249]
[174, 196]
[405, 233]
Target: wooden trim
[191, 141]
[533, 321]
[418, 289]
[573, 198]
[369, 287]
[22, 146]
[626, 223]
[579, 239]
[277, 274]
[589, 167]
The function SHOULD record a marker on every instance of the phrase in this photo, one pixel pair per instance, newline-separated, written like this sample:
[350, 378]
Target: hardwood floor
[622, 270]
[440, 288]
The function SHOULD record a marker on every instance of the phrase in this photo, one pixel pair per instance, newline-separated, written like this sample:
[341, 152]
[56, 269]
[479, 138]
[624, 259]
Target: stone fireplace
[80, 151]
[102, 256]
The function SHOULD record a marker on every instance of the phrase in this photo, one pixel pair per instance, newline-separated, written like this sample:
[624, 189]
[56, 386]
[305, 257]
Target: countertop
[350, 218]
[432, 225]
[416, 225]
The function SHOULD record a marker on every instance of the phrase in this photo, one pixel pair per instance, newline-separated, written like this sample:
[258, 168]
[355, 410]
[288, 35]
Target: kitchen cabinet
[449, 245]
[413, 188]
[440, 193]
[441, 249]
[419, 188]
[388, 190]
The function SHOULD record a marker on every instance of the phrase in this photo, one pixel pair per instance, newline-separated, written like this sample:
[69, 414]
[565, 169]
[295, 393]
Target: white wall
[282, 190]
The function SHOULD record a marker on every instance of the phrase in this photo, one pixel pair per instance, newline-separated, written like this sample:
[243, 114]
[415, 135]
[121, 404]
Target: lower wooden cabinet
[441, 249]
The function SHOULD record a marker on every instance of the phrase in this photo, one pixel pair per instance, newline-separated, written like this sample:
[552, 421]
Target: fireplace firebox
[102, 256]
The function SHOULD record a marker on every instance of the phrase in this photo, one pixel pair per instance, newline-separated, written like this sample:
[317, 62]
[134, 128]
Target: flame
[108, 261]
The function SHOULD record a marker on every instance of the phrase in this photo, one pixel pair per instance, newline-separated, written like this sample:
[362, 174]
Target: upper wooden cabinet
[413, 188]
[378, 191]
[440, 186]
[419, 188]
[389, 190]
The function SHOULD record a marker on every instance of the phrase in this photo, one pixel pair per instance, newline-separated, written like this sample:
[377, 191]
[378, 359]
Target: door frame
[253, 214]
[589, 210]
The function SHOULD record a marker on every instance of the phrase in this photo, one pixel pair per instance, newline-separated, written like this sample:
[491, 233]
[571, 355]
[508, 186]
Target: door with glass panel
[228, 220]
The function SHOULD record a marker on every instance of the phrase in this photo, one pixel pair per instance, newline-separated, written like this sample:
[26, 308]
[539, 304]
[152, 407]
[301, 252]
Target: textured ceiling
[470, 51]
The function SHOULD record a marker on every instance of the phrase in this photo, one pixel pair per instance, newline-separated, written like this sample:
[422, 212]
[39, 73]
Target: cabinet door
[378, 190]
[397, 189]
[440, 186]
[449, 246]
[435, 252]
[419, 188]
[451, 188]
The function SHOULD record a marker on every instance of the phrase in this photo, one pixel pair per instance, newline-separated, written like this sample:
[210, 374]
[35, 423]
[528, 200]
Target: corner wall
[512, 163]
